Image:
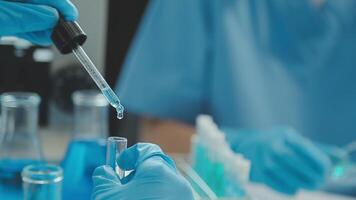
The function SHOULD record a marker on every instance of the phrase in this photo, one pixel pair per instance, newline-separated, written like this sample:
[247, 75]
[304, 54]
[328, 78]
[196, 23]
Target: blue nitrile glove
[154, 177]
[33, 20]
[281, 158]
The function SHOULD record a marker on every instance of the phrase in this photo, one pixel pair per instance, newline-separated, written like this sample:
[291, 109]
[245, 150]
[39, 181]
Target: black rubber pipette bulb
[67, 35]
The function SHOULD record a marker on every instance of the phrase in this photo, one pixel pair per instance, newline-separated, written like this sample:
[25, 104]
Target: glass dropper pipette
[68, 37]
[99, 80]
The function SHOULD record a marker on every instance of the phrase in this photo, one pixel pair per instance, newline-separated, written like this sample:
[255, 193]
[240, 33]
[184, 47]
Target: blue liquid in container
[200, 160]
[10, 177]
[81, 159]
[218, 183]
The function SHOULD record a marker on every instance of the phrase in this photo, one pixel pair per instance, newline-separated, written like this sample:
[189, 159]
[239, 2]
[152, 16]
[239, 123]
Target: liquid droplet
[120, 115]
[120, 112]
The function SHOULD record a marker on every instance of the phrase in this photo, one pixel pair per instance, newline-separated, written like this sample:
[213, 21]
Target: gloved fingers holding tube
[154, 176]
[34, 20]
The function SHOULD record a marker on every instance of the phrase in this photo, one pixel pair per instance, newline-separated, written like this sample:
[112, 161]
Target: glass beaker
[19, 142]
[87, 148]
[42, 182]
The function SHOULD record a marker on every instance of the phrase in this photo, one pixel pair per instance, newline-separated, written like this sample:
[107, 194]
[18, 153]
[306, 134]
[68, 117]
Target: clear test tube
[115, 146]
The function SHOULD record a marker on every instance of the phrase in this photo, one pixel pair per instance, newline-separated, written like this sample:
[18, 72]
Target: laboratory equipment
[19, 142]
[115, 146]
[42, 182]
[224, 171]
[90, 114]
[87, 148]
[68, 37]
[344, 161]
[342, 178]
[155, 177]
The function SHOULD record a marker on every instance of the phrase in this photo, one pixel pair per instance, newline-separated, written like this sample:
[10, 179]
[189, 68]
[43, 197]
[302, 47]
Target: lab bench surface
[260, 192]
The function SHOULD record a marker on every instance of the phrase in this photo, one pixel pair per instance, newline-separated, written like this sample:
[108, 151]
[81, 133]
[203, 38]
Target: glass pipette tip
[99, 80]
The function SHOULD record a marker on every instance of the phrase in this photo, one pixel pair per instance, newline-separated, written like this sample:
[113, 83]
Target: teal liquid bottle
[82, 157]
[10, 177]
[87, 148]
[19, 142]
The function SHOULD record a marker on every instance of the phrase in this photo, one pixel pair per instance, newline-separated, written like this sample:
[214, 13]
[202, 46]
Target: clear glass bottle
[19, 141]
[42, 182]
[87, 148]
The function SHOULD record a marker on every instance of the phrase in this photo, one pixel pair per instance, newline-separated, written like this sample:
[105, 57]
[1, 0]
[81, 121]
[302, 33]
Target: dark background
[124, 18]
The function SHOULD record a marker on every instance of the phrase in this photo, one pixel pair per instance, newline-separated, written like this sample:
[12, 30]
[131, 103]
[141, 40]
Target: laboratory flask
[90, 114]
[42, 182]
[87, 148]
[19, 141]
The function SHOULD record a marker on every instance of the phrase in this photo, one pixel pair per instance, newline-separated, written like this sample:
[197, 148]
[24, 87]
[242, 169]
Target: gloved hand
[154, 177]
[281, 158]
[33, 20]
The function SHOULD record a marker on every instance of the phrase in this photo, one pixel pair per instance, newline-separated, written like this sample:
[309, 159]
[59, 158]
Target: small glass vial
[115, 146]
[42, 182]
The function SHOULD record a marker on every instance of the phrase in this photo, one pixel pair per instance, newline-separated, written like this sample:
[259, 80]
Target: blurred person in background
[278, 76]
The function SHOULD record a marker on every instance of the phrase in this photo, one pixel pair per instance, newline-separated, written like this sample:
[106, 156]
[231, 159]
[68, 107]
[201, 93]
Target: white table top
[260, 192]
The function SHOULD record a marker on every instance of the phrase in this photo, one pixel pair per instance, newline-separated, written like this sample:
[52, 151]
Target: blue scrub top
[248, 63]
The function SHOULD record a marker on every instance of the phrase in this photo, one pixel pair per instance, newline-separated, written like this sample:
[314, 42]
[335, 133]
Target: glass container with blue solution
[19, 141]
[87, 149]
[200, 143]
[206, 158]
[199, 157]
[217, 169]
[42, 182]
